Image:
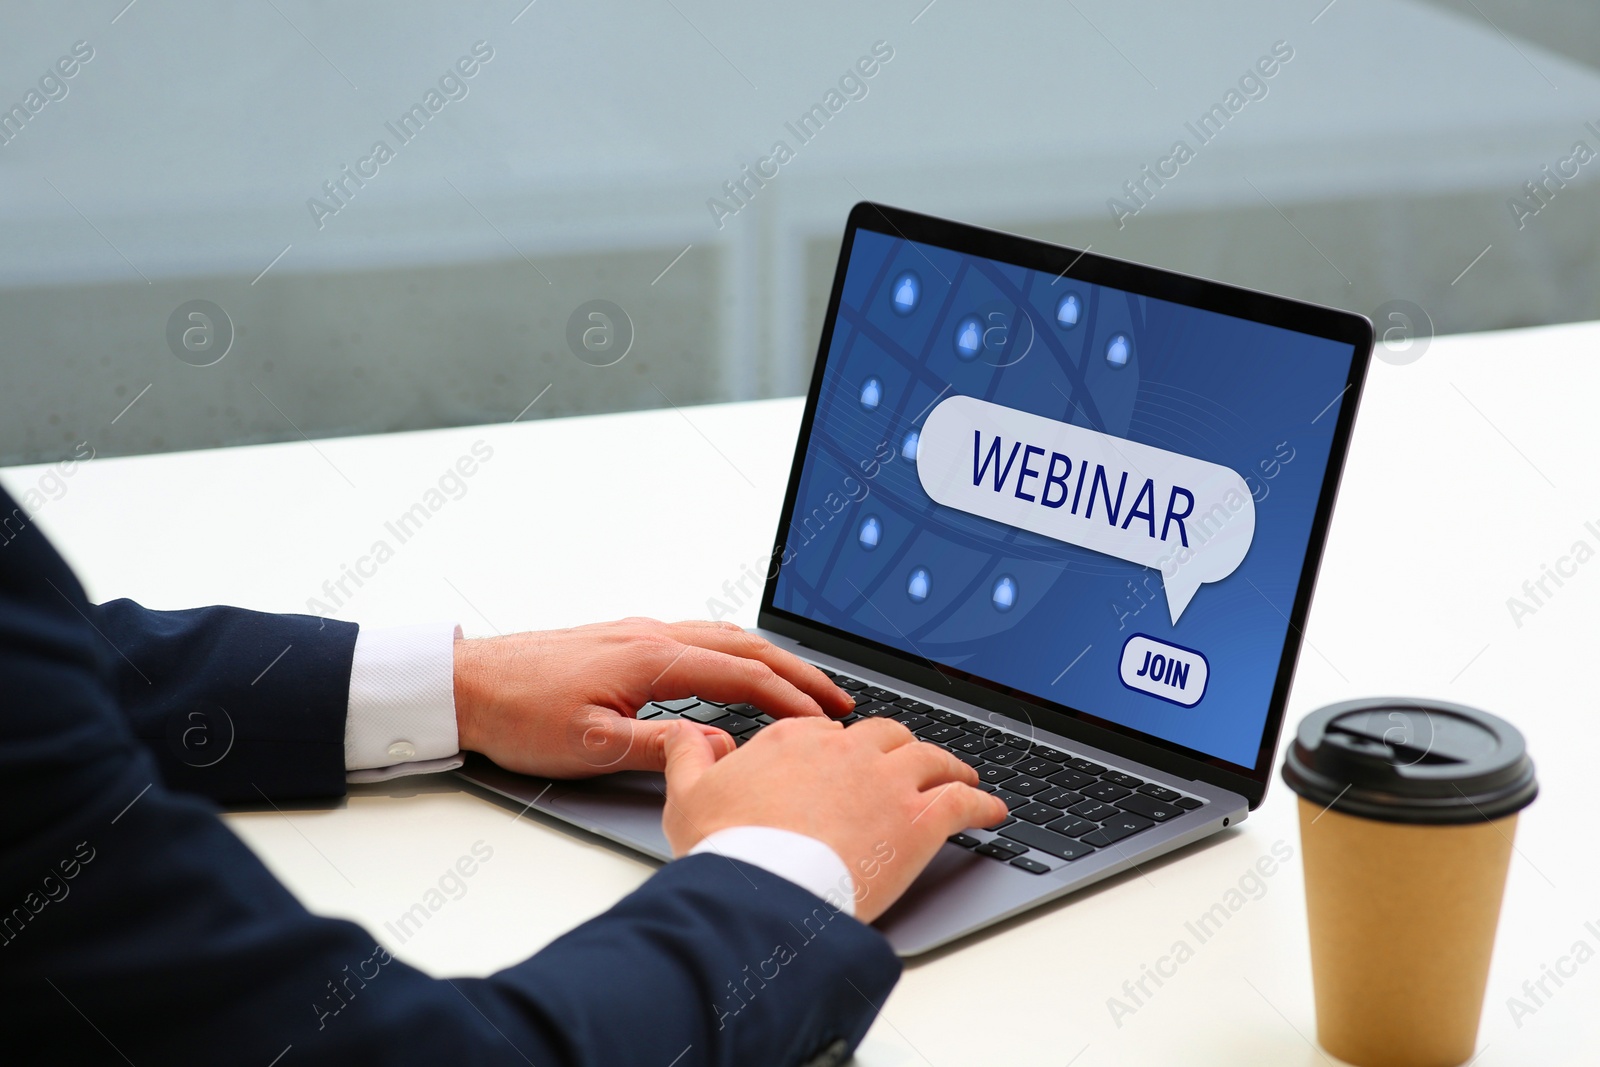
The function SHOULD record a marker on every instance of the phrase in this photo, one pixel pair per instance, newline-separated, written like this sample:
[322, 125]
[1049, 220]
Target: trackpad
[625, 807]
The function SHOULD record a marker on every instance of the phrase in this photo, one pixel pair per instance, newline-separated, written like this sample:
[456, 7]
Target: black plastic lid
[1401, 759]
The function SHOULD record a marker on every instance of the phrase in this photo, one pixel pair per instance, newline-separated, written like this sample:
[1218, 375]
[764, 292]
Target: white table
[1470, 470]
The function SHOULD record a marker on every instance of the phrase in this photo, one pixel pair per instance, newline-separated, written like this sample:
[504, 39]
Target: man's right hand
[877, 796]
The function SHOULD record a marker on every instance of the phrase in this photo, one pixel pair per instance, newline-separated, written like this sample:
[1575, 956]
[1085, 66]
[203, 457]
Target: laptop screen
[1097, 498]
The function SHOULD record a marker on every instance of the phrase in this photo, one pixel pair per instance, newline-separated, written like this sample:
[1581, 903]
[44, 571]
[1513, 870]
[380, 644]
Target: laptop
[1060, 515]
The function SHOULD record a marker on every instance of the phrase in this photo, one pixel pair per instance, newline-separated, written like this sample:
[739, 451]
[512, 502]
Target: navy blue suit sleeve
[135, 927]
[235, 705]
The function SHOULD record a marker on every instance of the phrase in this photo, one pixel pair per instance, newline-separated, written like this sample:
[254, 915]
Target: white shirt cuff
[400, 770]
[803, 860]
[401, 717]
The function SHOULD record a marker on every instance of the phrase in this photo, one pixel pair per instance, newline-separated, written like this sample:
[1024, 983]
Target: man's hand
[560, 703]
[877, 796]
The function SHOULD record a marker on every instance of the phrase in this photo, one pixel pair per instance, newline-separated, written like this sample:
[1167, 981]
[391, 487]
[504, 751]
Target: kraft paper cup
[1402, 926]
[1407, 814]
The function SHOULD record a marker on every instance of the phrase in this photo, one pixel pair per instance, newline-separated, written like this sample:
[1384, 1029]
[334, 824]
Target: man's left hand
[560, 703]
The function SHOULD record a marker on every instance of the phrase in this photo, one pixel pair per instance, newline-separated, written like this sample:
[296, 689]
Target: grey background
[579, 164]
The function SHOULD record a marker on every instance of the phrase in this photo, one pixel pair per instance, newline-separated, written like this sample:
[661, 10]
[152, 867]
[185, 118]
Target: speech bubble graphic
[1191, 519]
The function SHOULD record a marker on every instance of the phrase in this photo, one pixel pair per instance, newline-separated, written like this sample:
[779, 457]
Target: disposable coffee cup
[1407, 812]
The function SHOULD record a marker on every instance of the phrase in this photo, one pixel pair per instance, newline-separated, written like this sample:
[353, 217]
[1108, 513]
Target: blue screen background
[1259, 399]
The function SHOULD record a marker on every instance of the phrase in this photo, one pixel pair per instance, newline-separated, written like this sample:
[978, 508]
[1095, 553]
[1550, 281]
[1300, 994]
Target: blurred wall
[587, 167]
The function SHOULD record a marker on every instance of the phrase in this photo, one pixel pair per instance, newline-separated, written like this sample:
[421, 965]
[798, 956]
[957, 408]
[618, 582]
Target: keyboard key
[1149, 807]
[747, 710]
[1188, 803]
[877, 709]
[1127, 781]
[1059, 798]
[1078, 763]
[1005, 757]
[913, 704]
[1012, 800]
[703, 712]
[939, 733]
[680, 706]
[971, 745]
[1002, 824]
[848, 720]
[1017, 741]
[1104, 791]
[1072, 826]
[1150, 789]
[862, 700]
[734, 724]
[971, 761]
[1116, 828]
[877, 692]
[1038, 768]
[1038, 813]
[1051, 754]
[994, 775]
[1025, 785]
[650, 711]
[1095, 811]
[910, 719]
[964, 840]
[1071, 779]
[949, 718]
[849, 685]
[1047, 841]
[1032, 866]
[1000, 850]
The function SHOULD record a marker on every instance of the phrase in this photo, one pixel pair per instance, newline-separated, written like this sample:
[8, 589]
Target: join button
[1171, 672]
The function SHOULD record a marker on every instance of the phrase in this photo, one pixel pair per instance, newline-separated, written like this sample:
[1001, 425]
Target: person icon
[969, 337]
[1068, 310]
[907, 293]
[917, 586]
[1118, 350]
[871, 393]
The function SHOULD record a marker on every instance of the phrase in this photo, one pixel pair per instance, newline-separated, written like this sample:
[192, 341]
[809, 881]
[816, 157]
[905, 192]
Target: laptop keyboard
[1063, 807]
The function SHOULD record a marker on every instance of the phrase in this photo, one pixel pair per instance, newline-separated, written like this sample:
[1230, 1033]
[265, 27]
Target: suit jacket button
[402, 750]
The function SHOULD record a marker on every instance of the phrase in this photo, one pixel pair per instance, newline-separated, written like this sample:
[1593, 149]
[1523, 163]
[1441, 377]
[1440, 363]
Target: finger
[722, 742]
[687, 755]
[955, 806]
[884, 734]
[617, 743]
[931, 766]
[730, 679]
[732, 640]
[795, 723]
